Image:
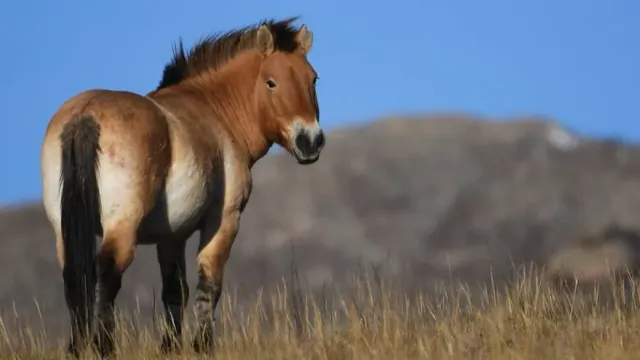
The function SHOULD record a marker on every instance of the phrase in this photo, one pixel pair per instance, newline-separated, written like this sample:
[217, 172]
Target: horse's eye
[315, 80]
[271, 84]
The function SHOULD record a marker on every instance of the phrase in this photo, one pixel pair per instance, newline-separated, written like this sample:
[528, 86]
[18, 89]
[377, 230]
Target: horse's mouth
[306, 160]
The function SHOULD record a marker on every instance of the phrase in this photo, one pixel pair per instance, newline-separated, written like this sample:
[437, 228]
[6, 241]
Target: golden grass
[526, 320]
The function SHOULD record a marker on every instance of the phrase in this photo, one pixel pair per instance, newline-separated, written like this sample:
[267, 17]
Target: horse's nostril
[319, 141]
[303, 143]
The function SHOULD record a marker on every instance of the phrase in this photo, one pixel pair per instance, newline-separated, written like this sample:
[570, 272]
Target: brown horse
[154, 169]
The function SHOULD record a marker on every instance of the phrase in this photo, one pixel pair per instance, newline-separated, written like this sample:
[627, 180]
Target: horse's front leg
[216, 238]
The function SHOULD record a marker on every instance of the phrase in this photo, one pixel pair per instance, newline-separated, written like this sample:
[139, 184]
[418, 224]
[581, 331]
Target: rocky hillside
[428, 199]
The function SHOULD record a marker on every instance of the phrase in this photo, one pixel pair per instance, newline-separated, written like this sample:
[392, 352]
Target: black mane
[215, 50]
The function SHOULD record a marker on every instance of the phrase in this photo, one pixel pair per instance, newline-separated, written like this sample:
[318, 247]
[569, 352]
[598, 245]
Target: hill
[425, 199]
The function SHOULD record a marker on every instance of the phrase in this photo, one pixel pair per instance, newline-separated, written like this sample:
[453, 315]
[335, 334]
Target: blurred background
[464, 136]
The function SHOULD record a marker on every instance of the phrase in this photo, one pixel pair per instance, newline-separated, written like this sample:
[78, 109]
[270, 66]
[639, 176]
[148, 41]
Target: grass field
[526, 320]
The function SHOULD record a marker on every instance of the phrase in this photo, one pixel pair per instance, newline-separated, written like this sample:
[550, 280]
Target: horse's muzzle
[307, 146]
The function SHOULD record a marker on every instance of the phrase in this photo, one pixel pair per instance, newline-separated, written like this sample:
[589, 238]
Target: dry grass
[527, 320]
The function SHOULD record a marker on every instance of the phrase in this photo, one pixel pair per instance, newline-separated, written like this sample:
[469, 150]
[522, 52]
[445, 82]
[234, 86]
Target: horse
[124, 169]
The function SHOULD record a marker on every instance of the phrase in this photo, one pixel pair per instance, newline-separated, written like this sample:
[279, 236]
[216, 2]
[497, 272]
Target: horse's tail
[81, 218]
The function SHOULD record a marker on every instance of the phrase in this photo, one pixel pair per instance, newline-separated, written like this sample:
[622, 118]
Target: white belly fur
[182, 203]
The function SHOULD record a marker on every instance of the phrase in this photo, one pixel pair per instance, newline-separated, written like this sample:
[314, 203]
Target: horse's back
[117, 113]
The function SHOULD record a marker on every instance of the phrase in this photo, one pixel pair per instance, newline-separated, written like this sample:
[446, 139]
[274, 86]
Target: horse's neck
[219, 104]
[231, 92]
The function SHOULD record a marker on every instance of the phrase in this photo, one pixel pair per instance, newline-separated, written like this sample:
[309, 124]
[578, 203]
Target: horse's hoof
[170, 344]
[203, 342]
[104, 345]
[72, 349]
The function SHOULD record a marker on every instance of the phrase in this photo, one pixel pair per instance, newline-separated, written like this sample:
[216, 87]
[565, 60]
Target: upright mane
[213, 51]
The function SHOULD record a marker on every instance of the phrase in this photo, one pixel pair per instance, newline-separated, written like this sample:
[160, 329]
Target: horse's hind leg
[125, 202]
[114, 257]
[175, 290]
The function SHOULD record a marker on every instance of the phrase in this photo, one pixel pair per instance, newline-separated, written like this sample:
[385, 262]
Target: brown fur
[178, 160]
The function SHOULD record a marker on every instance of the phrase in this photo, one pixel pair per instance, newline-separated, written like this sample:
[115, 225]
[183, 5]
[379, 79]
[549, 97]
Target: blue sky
[574, 60]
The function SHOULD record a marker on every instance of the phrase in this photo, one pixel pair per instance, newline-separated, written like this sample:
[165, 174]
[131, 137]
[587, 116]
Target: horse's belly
[179, 207]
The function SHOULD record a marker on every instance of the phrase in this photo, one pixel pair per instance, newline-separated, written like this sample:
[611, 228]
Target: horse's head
[286, 94]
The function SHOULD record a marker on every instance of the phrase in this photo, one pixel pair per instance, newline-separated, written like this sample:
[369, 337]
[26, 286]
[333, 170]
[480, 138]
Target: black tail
[80, 208]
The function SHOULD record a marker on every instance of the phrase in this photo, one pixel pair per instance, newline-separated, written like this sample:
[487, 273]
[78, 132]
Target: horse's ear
[264, 40]
[304, 38]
